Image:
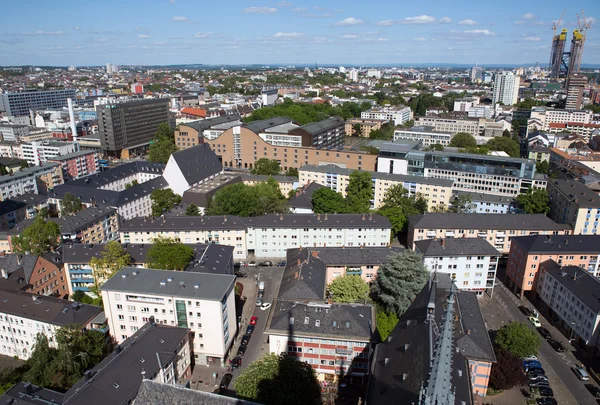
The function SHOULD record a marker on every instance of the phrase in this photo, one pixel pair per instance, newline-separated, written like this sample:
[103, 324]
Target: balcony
[489, 283]
[431, 234]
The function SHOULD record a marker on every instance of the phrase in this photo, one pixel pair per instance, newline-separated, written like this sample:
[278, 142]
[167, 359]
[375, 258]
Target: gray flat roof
[580, 282]
[449, 220]
[201, 125]
[456, 247]
[323, 125]
[400, 145]
[72, 155]
[262, 125]
[480, 197]
[213, 287]
[18, 174]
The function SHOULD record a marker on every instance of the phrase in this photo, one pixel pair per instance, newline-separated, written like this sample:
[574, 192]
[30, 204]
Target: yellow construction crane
[556, 24]
[583, 24]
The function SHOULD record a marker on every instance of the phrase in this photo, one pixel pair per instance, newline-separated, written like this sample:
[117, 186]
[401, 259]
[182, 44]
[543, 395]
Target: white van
[581, 373]
[261, 286]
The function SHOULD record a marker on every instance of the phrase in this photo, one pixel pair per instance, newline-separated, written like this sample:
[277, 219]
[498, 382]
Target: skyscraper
[506, 88]
[19, 103]
[575, 86]
[476, 74]
[576, 52]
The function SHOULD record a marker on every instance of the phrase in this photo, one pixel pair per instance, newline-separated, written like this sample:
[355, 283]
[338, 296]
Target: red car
[253, 320]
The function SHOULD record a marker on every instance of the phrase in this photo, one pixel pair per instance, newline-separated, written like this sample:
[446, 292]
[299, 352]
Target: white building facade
[37, 152]
[506, 88]
[427, 135]
[399, 115]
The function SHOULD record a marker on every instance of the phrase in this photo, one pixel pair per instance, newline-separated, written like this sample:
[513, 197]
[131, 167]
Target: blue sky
[86, 32]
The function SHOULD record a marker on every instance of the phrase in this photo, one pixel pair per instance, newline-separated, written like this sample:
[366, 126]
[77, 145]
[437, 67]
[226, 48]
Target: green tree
[166, 254]
[163, 144]
[43, 213]
[437, 147]
[359, 192]
[462, 203]
[463, 140]
[386, 132]
[506, 133]
[70, 204]
[327, 201]
[534, 201]
[386, 322]
[356, 130]
[399, 281]
[164, 131]
[38, 238]
[292, 172]
[505, 144]
[111, 259]
[163, 200]
[267, 167]
[507, 372]
[543, 167]
[23, 164]
[279, 379]
[248, 201]
[517, 338]
[397, 206]
[348, 288]
[133, 183]
[192, 210]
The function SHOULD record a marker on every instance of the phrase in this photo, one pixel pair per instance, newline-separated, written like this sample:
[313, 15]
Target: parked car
[595, 391]
[556, 345]
[259, 302]
[581, 373]
[236, 362]
[545, 333]
[281, 263]
[539, 384]
[538, 378]
[545, 392]
[546, 401]
[535, 372]
[250, 329]
[245, 339]
[266, 263]
[261, 294]
[241, 274]
[532, 364]
[527, 358]
[253, 320]
[225, 381]
[242, 350]
[536, 322]
[526, 311]
[252, 264]
[265, 306]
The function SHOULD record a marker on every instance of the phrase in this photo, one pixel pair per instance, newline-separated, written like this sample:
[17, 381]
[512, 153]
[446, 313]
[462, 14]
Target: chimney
[281, 217]
[2, 253]
[314, 253]
[4, 273]
[224, 218]
[443, 242]
[363, 217]
[296, 275]
[299, 263]
[72, 119]
[318, 217]
[370, 216]
[325, 216]
[468, 331]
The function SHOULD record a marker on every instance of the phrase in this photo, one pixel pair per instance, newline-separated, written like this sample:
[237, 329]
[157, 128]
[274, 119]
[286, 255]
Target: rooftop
[323, 125]
[449, 220]
[399, 146]
[456, 247]
[496, 199]
[303, 196]
[349, 256]
[72, 155]
[47, 309]
[30, 171]
[262, 125]
[117, 173]
[303, 278]
[475, 341]
[196, 163]
[205, 286]
[581, 283]
[558, 243]
[201, 125]
[339, 321]
[576, 192]
[153, 393]
[25, 393]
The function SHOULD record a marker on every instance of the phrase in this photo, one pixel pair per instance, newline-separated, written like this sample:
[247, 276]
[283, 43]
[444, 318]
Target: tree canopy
[463, 140]
[70, 204]
[518, 339]
[268, 167]
[543, 167]
[462, 203]
[397, 206]
[386, 132]
[534, 201]
[163, 200]
[163, 144]
[248, 200]
[508, 145]
[279, 379]
[110, 260]
[166, 254]
[292, 172]
[348, 288]
[192, 210]
[359, 192]
[399, 281]
[38, 238]
[386, 322]
[327, 201]
[507, 372]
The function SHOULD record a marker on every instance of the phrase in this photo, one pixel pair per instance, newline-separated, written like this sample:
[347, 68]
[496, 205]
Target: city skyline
[175, 32]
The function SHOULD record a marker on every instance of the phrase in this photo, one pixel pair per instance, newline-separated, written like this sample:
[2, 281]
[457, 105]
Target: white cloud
[445, 20]
[260, 10]
[528, 16]
[590, 20]
[349, 36]
[299, 9]
[386, 23]
[420, 39]
[468, 21]
[143, 36]
[532, 39]
[203, 34]
[321, 40]
[288, 35]
[180, 18]
[420, 19]
[348, 21]
[42, 33]
[482, 32]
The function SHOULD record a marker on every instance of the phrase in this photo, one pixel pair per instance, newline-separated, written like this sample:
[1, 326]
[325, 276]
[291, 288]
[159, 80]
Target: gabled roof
[153, 393]
[475, 341]
[13, 263]
[197, 163]
[25, 393]
[455, 247]
[303, 198]
[198, 112]
[117, 173]
[324, 125]
[354, 256]
[303, 277]
[580, 282]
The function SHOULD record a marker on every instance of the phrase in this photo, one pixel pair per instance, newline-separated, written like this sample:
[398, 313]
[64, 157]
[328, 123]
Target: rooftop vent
[196, 286]
[317, 323]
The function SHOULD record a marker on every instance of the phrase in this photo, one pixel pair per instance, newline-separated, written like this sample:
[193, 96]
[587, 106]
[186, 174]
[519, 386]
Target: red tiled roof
[198, 112]
[557, 125]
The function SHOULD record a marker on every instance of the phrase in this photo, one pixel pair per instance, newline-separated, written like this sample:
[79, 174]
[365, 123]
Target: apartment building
[470, 262]
[268, 236]
[38, 152]
[155, 353]
[426, 135]
[486, 203]
[528, 252]
[335, 339]
[9, 149]
[578, 128]
[398, 115]
[20, 103]
[325, 134]
[573, 203]
[201, 302]
[13, 132]
[366, 126]
[506, 88]
[19, 208]
[191, 167]
[78, 164]
[341, 261]
[208, 129]
[497, 229]
[32, 180]
[472, 173]
[286, 183]
[548, 115]
[452, 125]
[481, 111]
[127, 128]
[569, 295]
[437, 192]
[35, 274]
[240, 147]
[23, 316]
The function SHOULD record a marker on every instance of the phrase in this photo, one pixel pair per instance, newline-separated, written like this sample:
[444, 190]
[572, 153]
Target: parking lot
[567, 388]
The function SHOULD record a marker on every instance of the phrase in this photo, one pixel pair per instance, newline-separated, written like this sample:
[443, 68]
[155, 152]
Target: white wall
[384, 163]
[471, 271]
[175, 177]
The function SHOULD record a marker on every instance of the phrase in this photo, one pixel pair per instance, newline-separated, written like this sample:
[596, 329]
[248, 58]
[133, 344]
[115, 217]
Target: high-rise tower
[556, 55]
[576, 52]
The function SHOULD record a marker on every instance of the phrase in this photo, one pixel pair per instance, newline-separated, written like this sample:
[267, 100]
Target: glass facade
[181, 314]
